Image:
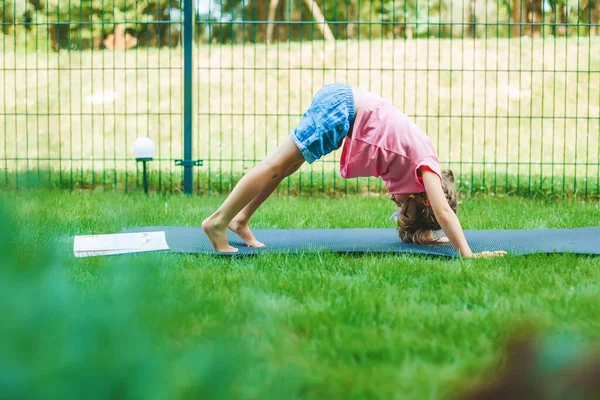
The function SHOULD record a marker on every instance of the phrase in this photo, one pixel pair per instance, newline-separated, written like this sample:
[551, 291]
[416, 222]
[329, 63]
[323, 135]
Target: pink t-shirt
[386, 143]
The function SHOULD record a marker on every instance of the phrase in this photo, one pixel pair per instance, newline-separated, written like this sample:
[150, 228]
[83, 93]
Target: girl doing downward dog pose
[378, 141]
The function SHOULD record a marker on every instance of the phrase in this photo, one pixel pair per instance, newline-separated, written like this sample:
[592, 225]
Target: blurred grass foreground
[64, 341]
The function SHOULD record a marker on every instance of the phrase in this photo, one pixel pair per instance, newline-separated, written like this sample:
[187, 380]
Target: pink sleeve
[432, 164]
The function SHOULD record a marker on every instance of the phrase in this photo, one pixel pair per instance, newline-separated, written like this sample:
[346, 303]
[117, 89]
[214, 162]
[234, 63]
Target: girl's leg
[250, 186]
[239, 224]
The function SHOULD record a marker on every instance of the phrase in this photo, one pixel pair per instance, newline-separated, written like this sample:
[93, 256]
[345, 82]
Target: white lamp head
[144, 149]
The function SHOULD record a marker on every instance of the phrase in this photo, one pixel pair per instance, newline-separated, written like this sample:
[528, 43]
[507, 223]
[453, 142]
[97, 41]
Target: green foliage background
[236, 20]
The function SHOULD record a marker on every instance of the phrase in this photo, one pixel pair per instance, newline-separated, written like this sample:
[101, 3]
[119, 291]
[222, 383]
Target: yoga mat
[381, 240]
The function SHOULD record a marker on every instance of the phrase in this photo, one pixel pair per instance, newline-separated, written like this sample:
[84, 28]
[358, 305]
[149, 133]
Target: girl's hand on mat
[489, 254]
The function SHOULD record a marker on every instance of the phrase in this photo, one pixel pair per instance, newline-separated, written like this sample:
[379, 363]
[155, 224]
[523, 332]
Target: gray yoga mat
[576, 241]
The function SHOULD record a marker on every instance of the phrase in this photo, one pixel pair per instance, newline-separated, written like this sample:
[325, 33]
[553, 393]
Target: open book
[120, 243]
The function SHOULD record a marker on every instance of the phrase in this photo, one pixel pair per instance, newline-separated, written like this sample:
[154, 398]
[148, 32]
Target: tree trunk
[283, 31]
[352, 13]
[519, 10]
[261, 15]
[472, 18]
[270, 26]
[320, 18]
[536, 18]
[594, 16]
[561, 9]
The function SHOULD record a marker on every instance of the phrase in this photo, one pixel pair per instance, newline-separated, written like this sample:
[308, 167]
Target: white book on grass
[119, 243]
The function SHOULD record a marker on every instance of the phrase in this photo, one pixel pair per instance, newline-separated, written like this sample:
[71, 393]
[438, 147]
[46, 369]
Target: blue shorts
[326, 122]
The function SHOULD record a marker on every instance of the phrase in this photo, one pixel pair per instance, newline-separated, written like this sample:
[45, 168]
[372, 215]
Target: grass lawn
[304, 326]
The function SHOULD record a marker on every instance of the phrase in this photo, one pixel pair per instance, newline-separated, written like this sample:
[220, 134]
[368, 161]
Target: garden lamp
[143, 150]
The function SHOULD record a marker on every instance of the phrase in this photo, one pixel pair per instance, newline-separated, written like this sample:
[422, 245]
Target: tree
[270, 27]
[593, 16]
[13, 12]
[527, 11]
[585, 11]
[320, 19]
[93, 20]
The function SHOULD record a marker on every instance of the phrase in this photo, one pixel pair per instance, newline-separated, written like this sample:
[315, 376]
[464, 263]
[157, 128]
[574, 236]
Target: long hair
[416, 220]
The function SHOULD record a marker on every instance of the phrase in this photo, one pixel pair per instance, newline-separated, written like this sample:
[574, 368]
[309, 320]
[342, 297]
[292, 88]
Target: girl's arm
[447, 218]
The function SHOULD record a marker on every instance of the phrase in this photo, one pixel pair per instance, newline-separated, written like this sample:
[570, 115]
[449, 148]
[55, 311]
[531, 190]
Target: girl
[380, 141]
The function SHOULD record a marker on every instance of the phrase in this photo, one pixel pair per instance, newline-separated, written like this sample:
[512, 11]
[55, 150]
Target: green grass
[310, 325]
[300, 184]
[516, 107]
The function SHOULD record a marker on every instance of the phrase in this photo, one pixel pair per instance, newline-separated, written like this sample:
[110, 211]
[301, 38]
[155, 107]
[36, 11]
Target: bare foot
[217, 236]
[243, 231]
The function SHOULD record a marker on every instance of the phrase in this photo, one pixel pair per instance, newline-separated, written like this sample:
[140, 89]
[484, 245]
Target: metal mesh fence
[509, 92]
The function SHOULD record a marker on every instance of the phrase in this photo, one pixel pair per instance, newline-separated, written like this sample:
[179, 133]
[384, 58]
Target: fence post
[188, 40]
